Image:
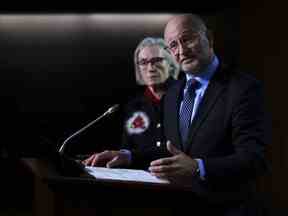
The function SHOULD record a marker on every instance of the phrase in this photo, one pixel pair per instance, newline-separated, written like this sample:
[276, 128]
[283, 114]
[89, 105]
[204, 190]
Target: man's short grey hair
[159, 42]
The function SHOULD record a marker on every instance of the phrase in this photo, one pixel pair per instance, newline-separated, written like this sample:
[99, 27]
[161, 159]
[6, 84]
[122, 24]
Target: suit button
[158, 143]
[158, 125]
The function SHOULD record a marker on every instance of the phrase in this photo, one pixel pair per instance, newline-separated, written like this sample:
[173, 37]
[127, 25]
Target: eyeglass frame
[197, 36]
[153, 61]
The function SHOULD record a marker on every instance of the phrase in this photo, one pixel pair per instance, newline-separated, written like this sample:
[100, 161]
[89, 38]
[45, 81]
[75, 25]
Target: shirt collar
[150, 96]
[204, 76]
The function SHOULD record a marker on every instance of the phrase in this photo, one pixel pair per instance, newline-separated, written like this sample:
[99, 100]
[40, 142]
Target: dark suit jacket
[229, 132]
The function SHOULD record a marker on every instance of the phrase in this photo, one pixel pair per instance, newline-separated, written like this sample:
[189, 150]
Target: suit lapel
[212, 93]
[173, 113]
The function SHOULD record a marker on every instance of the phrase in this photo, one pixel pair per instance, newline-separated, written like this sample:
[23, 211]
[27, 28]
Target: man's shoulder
[245, 76]
[239, 77]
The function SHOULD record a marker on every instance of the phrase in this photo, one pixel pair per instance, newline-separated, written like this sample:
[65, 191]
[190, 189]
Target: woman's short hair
[159, 42]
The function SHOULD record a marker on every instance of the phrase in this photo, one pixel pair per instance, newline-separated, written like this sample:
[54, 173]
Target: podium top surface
[53, 174]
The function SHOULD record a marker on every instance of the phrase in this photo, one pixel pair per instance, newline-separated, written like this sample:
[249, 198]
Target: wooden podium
[59, 192]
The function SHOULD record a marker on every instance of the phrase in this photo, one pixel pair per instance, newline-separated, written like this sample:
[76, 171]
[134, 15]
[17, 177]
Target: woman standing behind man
[156, 69]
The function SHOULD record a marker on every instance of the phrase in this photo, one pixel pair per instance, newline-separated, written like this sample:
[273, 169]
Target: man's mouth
[187, 60]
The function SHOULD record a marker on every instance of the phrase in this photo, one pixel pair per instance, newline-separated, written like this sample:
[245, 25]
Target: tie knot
[193, 84]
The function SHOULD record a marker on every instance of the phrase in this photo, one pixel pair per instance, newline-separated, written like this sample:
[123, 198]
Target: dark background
[57, 76]
[60, 71]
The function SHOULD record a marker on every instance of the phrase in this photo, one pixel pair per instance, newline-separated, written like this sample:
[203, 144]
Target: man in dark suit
[215, 124]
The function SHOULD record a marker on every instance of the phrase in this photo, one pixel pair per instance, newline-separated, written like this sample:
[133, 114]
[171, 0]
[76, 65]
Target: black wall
[60, 71]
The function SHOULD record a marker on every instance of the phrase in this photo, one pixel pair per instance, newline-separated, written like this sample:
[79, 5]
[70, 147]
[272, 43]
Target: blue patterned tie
[187, 108]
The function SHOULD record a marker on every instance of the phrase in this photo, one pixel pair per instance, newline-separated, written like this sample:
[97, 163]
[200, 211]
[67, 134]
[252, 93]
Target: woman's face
[153, 66]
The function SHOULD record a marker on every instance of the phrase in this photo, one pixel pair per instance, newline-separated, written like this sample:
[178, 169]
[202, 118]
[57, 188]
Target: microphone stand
[108, 112]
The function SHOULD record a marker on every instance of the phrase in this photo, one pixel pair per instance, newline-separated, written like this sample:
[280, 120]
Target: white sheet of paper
[123, 174]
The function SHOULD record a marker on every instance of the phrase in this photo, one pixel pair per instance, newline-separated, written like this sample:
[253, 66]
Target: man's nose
[182, 48]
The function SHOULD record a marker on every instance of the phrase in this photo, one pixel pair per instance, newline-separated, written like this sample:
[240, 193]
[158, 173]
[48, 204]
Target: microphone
[108, 112]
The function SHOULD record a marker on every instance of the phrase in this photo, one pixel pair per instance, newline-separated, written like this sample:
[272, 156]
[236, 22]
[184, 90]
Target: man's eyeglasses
[184, 40]
[155, 60]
